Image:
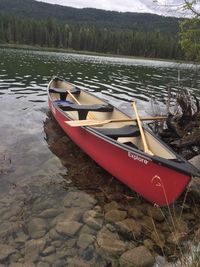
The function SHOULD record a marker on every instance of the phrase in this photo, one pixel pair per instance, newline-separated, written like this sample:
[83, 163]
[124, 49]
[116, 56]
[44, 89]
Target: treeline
[90, 16]
[51, 33]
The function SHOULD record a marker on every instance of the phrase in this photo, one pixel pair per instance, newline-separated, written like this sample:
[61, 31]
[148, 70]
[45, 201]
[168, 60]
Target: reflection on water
[45, 180]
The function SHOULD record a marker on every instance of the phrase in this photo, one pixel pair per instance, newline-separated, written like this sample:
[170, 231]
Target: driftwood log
[181, 130]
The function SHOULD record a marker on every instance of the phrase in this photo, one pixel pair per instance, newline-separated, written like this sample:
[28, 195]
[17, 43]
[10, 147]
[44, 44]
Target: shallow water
[36, 169]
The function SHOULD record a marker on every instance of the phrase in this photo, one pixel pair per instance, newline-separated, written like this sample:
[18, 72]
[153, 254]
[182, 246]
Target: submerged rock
[17, 264]
[5, 251]
[49, 213]
[79, 199]
[93, 219]
[135, 212]
[111, 206]
[48, 250]
[85, 240]
[43, 264]
[69, 228]
[33, 248]
[115, 215]
[129, 227]
[69, 214]
[137, 257]
[110, 243]
[74, 262]
[37, 228]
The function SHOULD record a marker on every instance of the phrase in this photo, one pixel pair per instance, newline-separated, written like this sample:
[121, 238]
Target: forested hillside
[133, 21]
[40, 24]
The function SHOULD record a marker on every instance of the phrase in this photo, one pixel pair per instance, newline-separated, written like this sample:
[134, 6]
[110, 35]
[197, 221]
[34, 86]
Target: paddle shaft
[146, 149]
[78, 123]
[76, 100]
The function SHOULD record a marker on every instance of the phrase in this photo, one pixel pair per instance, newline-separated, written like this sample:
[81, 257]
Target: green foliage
[52, 33]
[190, 38]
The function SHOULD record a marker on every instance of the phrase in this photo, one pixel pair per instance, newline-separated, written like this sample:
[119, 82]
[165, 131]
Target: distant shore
[72, 51]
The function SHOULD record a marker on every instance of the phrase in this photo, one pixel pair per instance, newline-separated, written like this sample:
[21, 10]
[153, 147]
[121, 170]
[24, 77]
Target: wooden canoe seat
[83, 109]
[125, 131]
[63, 93]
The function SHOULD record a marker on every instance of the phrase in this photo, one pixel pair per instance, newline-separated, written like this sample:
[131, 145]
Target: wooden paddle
[91, 116]
[79, 123]
[146, 149]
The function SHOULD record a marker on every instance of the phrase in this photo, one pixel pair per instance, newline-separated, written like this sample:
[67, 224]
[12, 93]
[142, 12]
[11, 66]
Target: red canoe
[117, 145]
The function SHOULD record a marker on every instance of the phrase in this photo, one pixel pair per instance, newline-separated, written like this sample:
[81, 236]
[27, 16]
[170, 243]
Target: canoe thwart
[63, 93]
[83, 109]
[78, 123]
[125, 131]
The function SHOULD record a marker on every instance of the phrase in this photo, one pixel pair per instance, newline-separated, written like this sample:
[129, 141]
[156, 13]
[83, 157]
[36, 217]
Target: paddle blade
[80, 123]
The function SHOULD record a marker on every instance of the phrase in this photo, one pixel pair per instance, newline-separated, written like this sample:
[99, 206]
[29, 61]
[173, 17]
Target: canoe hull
[156, 183]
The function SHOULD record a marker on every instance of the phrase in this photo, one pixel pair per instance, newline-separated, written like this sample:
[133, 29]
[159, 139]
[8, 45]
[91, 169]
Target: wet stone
[111, 206]
[66, 252]
[197, 234]
[85, 240]
[115, 215]
[176, 237]
[137, 257]
[79, 199]
[17, 264]
[54, 235]
[158, 238]
[49, 213]
[69, 228]
[37, 228]
[156, 214]
[148, 243]
[40, 205]
[87, 230]
[129, 227]
[50, 258]
[33, 248]
[60, 263]
[14, 210]
[70, 214]
[21, 238]
[5, 230]
[135, 212]
[15, 257]
[93, 219]
[43, 264]
[110, 242]
[48, 250]
[88, 253]
[74, 262]
[5, 251]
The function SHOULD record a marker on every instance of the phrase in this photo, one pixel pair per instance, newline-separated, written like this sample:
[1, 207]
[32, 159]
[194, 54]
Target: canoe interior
[85, 98]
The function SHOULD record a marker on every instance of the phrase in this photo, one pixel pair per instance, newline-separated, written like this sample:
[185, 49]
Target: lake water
[41, 169]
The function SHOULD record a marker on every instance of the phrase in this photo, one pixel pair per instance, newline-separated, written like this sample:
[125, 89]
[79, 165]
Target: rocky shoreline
[89, 219]
[74, 230]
